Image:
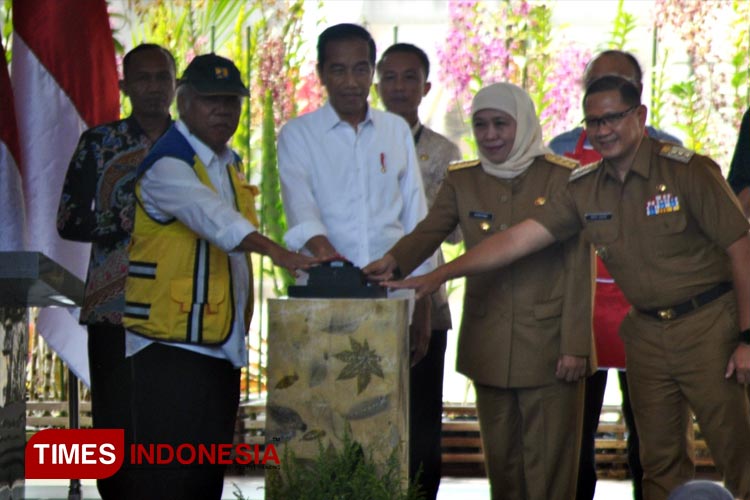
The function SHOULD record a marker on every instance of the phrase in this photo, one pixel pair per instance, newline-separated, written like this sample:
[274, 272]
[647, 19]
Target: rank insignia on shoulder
[675, 152]
[583, 170]
[563, 161]
[461, 164]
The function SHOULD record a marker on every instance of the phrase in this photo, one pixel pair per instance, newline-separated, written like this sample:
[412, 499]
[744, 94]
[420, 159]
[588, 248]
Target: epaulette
[458, 165]
[563, 161]
[584, 170]
[675, 152]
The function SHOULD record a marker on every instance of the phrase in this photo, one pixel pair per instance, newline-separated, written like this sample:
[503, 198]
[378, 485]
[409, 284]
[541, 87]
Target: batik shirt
[97, 206]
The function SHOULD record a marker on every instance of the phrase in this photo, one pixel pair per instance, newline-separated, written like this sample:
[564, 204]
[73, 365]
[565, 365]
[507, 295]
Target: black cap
[214, 75]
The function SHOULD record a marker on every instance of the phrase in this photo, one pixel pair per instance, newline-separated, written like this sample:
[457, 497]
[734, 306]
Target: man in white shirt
[189, 286]
[349, 174]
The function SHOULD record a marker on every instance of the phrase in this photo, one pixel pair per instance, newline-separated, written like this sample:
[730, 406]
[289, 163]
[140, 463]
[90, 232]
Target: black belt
[674, 312]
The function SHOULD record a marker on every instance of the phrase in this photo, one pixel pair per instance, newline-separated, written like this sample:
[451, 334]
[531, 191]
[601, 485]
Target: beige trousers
[677, 365]
[531, 439]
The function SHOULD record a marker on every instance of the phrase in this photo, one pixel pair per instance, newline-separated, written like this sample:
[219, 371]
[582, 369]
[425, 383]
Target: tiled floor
[252, 489]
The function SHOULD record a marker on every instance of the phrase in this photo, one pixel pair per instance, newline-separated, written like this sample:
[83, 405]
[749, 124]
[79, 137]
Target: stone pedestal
[338, 366]
[14, 336]
[27, 279]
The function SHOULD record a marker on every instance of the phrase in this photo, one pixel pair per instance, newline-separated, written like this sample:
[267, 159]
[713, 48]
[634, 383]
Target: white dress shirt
[170, 189]
[361, 188]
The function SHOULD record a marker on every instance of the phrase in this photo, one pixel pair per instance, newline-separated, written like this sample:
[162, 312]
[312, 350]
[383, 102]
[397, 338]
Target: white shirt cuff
[300, 234]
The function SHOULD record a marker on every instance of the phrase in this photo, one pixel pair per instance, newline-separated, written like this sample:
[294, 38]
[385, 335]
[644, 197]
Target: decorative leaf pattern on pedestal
[362, 362]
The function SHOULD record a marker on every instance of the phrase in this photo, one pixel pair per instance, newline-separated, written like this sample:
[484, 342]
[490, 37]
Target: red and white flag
[65, 80]
[12, 212]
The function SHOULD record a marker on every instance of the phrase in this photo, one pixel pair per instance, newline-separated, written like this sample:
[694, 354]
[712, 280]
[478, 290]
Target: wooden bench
[251, 423]
[461, 443]
[55, 414]
[463, 454]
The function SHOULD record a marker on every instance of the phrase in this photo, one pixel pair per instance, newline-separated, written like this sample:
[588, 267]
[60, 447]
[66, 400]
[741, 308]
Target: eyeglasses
[609, 120]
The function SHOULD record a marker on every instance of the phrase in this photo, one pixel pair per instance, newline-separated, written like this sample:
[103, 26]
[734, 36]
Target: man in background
[610, 305]
[403, 71]
[97, 206]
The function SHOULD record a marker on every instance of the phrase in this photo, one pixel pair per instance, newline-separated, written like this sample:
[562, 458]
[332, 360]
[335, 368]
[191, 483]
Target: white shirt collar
[331, 118]
[204, 152]
[416, 127]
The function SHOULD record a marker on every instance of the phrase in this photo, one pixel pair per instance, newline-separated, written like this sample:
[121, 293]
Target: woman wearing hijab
[526, 330]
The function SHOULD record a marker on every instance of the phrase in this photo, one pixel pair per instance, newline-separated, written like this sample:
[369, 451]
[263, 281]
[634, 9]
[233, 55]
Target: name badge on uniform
[480, 215]
[595, 216]
[662, 204]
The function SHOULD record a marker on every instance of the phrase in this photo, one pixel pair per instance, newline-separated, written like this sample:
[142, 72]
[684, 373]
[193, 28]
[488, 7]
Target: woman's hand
[423, 285]
[381, 269]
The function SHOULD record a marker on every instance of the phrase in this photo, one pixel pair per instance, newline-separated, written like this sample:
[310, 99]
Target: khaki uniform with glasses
[662, 234]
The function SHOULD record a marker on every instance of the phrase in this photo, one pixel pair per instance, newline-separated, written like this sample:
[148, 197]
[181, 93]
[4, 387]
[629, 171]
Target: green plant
[348, 472]
[237, 52]
[452, 252]
[710, 91]
[622, 25]
[741, 57]
[538, 68]
[516, 42]
[273, 222]
[238, 495]
[658, 89]
[6, 27]
[694, 118]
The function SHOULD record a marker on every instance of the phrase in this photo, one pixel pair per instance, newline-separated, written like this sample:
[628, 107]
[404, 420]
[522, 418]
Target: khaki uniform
[517, 322]
[662, 234]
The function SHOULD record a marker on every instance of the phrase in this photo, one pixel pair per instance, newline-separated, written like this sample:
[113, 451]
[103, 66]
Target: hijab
[528, 142]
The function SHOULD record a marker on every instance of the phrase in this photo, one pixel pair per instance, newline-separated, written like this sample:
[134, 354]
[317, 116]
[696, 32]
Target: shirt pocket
[182, 305]
[666, 234]
[600, 232]
[665, 224]
[549, 309]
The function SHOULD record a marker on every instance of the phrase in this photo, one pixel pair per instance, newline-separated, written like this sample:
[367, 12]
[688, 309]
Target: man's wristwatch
[745, 336]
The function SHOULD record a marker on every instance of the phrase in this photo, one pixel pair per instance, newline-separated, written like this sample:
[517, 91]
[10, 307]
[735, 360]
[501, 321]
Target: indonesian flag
[12, 213]
[65, 80]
